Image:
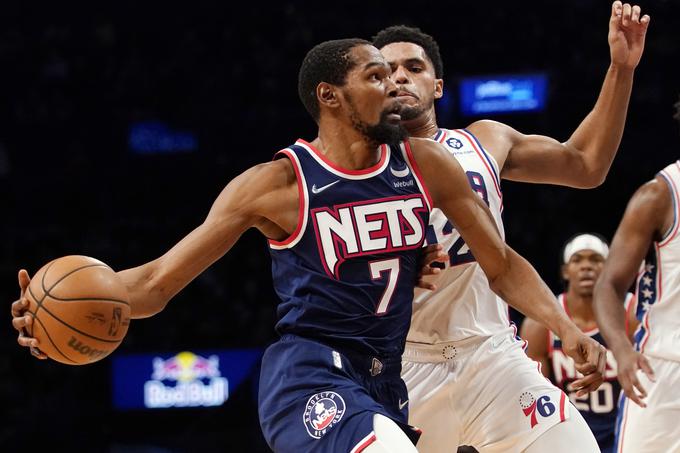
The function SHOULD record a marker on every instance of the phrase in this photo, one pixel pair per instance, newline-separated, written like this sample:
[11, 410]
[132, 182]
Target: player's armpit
[263, 196]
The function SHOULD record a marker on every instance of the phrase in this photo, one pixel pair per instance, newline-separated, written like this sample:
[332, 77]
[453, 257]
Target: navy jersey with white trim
[345, 277]
[599, 408]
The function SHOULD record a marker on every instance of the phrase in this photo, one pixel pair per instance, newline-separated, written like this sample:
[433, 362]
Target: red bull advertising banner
[183, 380]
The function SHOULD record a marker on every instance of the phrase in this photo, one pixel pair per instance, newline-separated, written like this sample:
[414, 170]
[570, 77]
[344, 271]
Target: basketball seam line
[80, 331]
[47, 293]
[53, 343]
[81, 299]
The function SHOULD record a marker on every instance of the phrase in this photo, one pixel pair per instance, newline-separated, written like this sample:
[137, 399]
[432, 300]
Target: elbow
[595, 179]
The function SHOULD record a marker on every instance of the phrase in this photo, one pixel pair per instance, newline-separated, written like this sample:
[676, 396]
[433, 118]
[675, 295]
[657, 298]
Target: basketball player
[583, 258]
[649, 371]
[469, 381]
[346, 218]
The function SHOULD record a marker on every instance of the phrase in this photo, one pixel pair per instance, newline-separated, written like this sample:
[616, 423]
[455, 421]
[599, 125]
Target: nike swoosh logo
[316, 190]
[400, 173]
[402, 405]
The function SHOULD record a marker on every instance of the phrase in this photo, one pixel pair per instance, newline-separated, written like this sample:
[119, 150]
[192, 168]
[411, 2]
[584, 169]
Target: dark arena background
[121, 122]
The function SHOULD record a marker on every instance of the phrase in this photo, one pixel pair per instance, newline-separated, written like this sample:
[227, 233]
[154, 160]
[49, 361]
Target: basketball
[81, 309]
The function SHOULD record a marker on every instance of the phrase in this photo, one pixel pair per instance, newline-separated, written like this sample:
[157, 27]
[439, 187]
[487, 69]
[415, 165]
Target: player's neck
[347, 149]
[425, 126]
[581, 310]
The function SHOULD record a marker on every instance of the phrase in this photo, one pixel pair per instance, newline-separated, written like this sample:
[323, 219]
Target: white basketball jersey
[658, 286]
[463, 305]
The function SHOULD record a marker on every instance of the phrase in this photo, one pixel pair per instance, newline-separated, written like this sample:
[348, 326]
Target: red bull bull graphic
[186, 380]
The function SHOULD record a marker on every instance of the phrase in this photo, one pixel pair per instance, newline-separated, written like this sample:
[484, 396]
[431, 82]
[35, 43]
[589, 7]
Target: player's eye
[416, 69]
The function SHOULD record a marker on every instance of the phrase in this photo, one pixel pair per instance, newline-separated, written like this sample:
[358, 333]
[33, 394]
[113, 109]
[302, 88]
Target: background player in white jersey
[583, 258]
[649, 370]
[469, 380]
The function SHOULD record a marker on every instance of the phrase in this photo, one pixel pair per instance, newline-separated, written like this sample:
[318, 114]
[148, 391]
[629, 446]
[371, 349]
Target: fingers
[646, 368]
[22, 322]
[587, 384]
[37, 353]
[425, 285]
[19, 307]
[617, 8]
[602, 361]
[434, 253]
[626, 15]
[24, 281]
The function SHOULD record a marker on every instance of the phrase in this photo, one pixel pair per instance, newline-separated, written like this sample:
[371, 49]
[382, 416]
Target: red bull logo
[322, 412]
[197, 382]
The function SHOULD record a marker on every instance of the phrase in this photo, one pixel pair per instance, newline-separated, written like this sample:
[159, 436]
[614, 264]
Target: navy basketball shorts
[314, 398]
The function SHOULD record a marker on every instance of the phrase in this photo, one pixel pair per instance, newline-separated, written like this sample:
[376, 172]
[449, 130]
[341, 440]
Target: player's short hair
[402, 33]
[327, 62]
[676, 116]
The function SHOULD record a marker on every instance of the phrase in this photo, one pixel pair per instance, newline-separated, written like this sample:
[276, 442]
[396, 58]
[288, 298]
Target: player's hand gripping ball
[80, 308]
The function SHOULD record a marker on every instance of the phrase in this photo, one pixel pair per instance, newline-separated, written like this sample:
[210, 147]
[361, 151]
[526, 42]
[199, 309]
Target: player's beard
[382, 132]
[412, 112]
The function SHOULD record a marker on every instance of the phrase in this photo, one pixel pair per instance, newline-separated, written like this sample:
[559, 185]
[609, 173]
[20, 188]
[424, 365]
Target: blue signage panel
[185, 379]
[503, 94]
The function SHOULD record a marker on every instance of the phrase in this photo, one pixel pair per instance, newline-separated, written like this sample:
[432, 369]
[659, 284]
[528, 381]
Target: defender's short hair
[402, 33]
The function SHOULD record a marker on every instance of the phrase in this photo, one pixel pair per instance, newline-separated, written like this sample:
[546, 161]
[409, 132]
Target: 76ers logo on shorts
[546, 407]
[323, 411]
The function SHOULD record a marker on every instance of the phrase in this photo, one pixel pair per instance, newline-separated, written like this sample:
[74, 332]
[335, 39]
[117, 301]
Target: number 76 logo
[531, 406]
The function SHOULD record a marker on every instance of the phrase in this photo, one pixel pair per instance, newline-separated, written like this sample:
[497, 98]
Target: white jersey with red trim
[658, 286]
[463, 305]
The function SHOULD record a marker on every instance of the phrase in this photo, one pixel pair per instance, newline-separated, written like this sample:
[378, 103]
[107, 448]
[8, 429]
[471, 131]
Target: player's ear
[563, 271]
[438, 88]
[327, 95]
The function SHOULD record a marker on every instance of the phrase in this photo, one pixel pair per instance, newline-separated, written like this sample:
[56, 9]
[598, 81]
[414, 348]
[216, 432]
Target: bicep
[451, 192]
[541, 159]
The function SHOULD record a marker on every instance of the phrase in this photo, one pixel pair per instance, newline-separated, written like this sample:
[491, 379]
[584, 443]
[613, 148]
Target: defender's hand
[21, 320]
[590, 358]
[433, 254]
[628, 364]
[627, 30]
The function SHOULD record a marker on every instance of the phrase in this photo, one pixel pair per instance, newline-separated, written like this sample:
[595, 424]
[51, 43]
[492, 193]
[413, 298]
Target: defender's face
[414, 76]
[583, 270]
[369, 94]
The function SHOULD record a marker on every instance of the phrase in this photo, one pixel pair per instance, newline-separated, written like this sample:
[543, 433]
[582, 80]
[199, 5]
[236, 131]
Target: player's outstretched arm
[510, 275]
[585, 158]
[537, 338]
[264, 196]
[645, 219]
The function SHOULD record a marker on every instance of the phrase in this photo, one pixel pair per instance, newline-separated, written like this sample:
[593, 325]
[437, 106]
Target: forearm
[522, 288]
[598, 136]
[144, 301]
[610, 315]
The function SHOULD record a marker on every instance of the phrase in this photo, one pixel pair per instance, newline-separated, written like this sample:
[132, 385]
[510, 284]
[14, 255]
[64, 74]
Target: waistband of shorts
[442, 352]
[365, 363]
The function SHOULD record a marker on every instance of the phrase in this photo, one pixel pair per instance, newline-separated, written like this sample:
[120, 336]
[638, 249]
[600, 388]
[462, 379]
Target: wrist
[621, 69]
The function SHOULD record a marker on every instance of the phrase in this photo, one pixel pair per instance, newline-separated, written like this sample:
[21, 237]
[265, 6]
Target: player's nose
[400, 76]
[391, 88]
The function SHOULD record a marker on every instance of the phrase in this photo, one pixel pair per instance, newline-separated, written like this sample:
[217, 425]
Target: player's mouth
[404, 95]
[394, 112]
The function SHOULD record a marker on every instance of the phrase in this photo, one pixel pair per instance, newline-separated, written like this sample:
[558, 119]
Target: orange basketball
[81, 309]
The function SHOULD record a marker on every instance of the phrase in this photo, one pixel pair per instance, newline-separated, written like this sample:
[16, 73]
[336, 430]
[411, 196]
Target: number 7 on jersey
[378, 271]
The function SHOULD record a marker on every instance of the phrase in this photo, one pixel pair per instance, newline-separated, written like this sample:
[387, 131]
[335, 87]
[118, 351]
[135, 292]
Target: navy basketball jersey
[599, 408]
[346, 275]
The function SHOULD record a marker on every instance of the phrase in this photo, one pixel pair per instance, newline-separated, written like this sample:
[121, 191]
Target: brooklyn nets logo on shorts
[323, 411]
